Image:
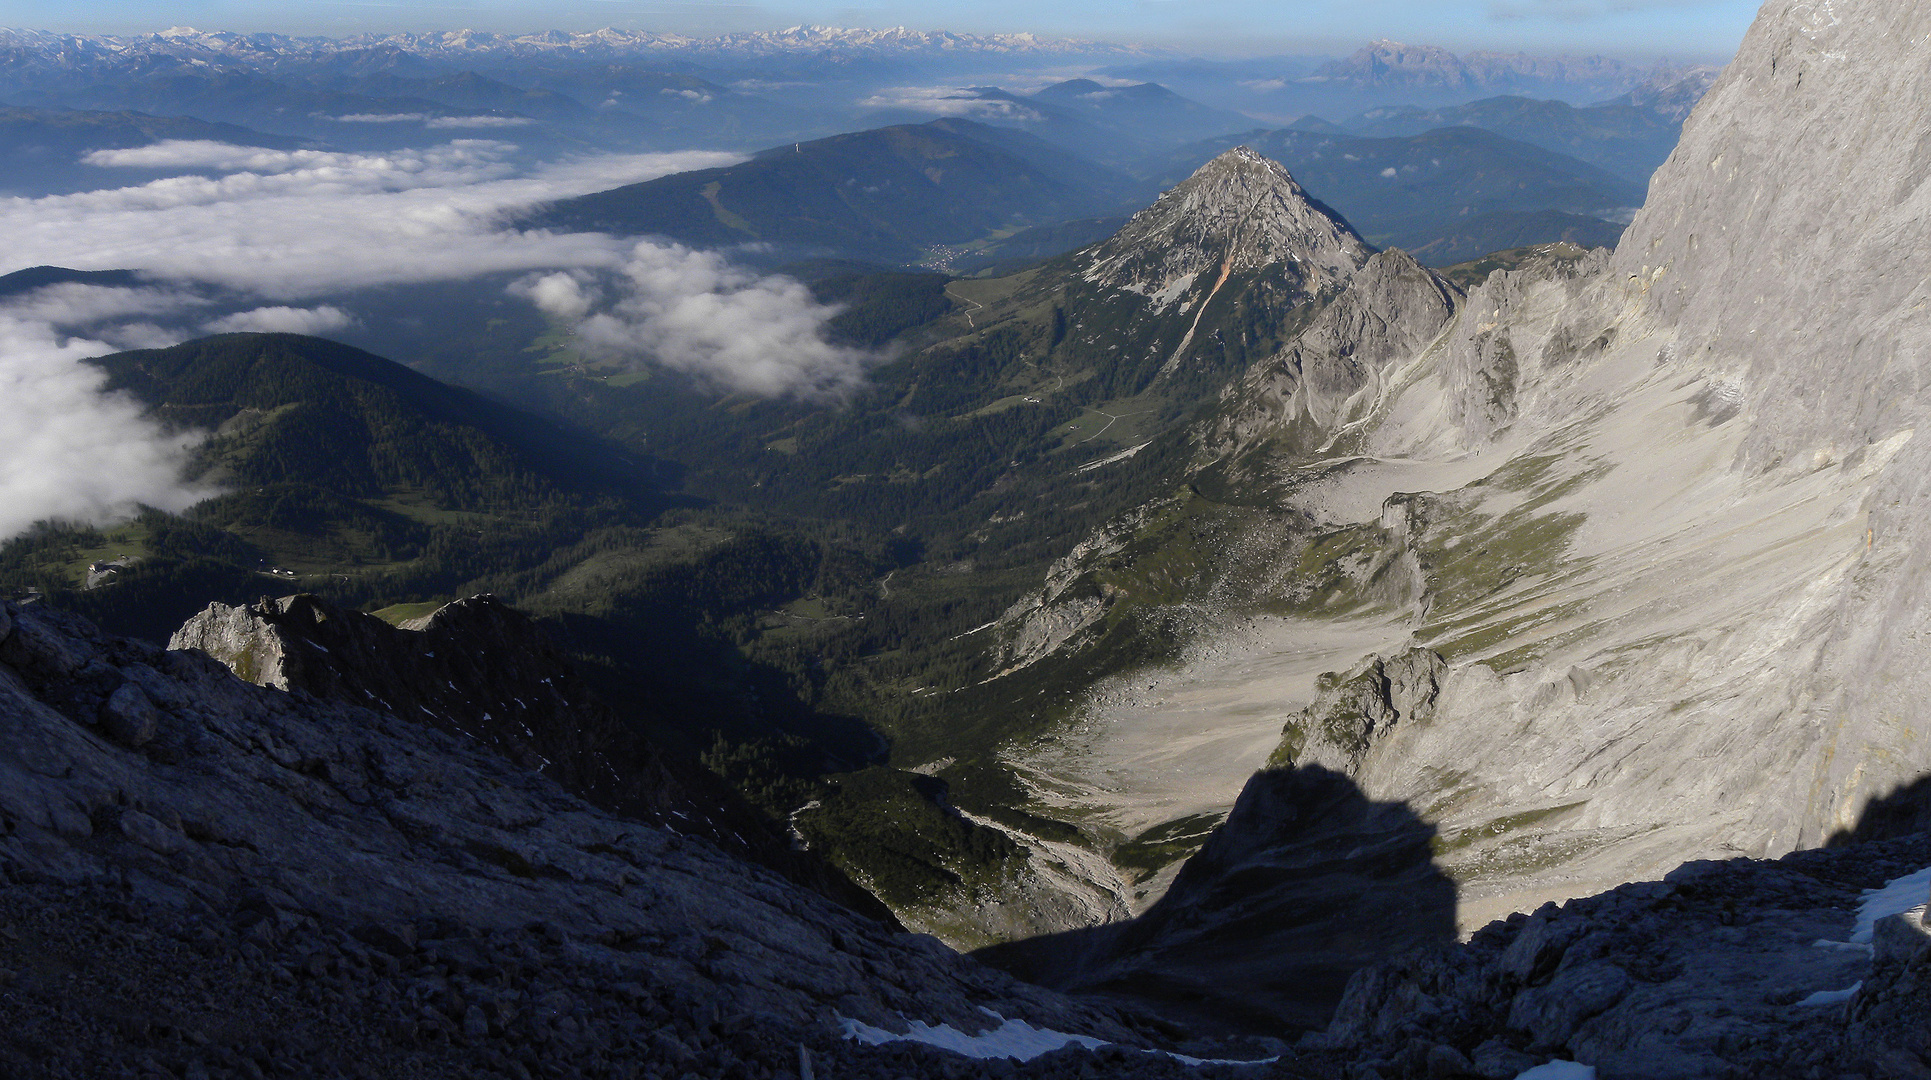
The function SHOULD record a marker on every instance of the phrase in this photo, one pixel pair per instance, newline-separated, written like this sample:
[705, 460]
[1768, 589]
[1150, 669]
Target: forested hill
[336, 470]
[890, 193]
[293, 409]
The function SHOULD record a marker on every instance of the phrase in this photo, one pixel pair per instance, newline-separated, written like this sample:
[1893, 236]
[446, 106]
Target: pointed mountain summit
[1239, 213]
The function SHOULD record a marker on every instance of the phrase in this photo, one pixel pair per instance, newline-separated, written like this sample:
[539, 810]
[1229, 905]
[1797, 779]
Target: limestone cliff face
[1788, 247]
[1685, 608]
[1786, 238]
[1668, 509]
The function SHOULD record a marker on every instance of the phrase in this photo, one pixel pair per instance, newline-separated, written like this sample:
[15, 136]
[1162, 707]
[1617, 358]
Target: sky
[1691, 29]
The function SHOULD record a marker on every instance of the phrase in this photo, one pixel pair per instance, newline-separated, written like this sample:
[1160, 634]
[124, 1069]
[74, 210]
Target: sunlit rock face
[1661, 513]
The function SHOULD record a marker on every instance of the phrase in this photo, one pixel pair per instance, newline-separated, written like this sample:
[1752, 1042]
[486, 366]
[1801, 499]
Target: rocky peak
[1239, 213]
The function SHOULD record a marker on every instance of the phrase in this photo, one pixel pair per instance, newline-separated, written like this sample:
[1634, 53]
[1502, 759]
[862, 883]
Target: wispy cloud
[287, 225]
[479, 122]
[693, 311]
[380, 118]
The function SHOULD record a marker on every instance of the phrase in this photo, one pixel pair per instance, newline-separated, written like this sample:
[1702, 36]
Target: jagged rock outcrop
[278, 831]
[1338, 367]
[1352, 711]
[474, 668]
[1737, 968]
[483, 671]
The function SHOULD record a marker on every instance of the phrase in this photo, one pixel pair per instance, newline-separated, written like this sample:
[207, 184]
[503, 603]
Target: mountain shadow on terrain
[1306, 882]
[1905, 810]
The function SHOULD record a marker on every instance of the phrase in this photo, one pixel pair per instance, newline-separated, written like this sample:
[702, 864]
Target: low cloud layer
[289, 225]
[693, 311]
[290, 228]
[74, 452]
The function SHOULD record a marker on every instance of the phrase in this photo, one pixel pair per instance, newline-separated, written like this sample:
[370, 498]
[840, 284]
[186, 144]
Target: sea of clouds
[290, 228]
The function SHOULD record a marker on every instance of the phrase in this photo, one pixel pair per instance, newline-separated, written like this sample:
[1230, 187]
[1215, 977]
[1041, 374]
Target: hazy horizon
[1683, 29]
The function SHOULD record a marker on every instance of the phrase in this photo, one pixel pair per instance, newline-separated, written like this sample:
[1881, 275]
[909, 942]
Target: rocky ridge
[1338, 367]
[1721, 969]
[483, 672]
[401, 899]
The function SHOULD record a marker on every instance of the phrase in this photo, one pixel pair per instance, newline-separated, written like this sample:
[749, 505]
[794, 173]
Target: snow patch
[1558, 1070]
[1832, 997]
[1011, 1039]
[1174, 290]
[1894, 898]
[1014, 1039]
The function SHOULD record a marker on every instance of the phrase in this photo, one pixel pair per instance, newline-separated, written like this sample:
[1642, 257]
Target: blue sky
[1637, 28]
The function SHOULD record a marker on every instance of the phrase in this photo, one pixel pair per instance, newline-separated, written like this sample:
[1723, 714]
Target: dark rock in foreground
[484, 672]
[324, 889]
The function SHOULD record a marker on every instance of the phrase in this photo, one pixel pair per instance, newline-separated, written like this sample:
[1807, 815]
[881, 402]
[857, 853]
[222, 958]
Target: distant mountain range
[1395, 66]
[1625, 139]
[189, 45]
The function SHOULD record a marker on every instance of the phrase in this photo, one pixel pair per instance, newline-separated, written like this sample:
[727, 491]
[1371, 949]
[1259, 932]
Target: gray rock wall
[339, 816]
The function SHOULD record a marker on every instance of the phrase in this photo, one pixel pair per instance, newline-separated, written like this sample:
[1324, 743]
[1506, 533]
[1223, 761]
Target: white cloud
[282, 319]
[693, 311]
[564, 296]
[293, 224]
[78, 308]
[72, 451]
[480, 121]
[380, 118]
[950, 101]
